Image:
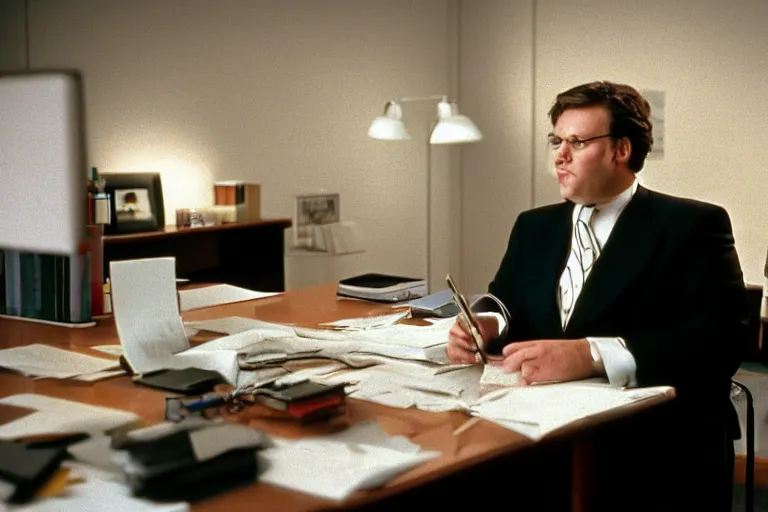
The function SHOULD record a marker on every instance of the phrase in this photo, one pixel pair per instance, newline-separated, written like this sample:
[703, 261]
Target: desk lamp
[449, 127]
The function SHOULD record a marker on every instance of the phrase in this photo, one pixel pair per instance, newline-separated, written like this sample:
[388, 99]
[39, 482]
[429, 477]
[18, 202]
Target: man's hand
[548, 360]
[460, 348]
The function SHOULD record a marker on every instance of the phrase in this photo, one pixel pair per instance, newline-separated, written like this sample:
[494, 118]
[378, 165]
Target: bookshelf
[246, 254]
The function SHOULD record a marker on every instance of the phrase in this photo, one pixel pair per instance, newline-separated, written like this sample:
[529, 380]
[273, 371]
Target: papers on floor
[334, 467]
[537, 410]
[218, 294]
[58, 416]
[39, 360]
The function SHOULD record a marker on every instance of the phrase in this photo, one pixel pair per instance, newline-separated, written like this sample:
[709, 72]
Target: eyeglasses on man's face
[575, 143]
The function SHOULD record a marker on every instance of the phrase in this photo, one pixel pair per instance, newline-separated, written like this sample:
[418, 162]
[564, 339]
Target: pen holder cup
[491, 312]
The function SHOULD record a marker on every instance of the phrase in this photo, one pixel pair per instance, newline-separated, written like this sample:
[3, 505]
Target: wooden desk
[247, 254]
[477, 466]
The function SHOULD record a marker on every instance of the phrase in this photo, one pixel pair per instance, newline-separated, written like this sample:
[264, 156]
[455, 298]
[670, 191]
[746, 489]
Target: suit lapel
[551, 262]
[631, 243]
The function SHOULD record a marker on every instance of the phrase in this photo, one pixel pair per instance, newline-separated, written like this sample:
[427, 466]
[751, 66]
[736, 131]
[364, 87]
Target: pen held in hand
[469, 323]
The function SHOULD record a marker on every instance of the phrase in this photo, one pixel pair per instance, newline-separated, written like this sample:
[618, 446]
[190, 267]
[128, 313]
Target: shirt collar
[614, 207]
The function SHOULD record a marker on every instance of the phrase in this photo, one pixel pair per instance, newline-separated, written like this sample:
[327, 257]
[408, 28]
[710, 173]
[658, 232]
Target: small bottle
[107, 288]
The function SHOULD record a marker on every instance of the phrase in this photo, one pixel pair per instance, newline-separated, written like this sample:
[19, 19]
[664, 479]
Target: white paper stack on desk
[43, 361]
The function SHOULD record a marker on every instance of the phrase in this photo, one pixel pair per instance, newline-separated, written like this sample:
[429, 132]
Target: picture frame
[136, 202]
[312, 210]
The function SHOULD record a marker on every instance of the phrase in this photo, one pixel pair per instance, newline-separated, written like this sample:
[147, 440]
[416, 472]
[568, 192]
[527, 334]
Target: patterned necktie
[585, 248]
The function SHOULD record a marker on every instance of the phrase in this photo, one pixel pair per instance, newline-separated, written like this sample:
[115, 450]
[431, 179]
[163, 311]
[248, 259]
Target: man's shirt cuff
[618, 362]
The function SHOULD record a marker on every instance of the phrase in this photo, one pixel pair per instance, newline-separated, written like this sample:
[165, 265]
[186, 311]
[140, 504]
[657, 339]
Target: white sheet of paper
[369, 322]
[245, 339]
[371, 433]
[113, 350]
[222, 361]
[494, 378]
[59, 416]
[551, 406]
[333, 469]
[146, 312]
[45, 361]
[236, 324]
[93, 377]
[218, 294]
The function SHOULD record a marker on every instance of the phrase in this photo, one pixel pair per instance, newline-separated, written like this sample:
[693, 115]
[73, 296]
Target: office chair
[749, 477]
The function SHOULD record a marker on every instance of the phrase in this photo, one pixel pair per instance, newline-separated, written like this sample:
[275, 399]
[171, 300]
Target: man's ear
[623, 150]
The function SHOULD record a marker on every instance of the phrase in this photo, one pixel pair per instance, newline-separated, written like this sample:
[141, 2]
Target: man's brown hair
[630, 114]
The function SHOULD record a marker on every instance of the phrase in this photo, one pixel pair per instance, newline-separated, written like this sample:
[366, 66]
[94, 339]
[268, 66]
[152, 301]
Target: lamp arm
[409, 99]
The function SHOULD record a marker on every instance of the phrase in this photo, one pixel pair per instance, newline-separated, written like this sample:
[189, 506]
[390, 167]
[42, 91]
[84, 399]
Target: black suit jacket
[668, 281]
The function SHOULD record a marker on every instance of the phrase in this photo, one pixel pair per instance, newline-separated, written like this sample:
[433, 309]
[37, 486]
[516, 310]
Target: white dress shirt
[610, 354]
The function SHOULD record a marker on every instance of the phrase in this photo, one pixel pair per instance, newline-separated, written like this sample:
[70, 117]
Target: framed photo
[136, 202]
[312, 210]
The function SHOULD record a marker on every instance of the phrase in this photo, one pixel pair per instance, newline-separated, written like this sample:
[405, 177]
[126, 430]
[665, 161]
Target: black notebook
[382, 287]
[23, 470]
[188, 381]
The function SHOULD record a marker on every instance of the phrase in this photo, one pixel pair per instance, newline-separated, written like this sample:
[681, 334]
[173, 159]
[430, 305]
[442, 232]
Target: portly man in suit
[624, 282]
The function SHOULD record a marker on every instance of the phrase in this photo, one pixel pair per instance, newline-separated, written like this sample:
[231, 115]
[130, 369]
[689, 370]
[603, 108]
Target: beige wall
[277, 92]
[282, 92]
[496, 86]
[709, 56]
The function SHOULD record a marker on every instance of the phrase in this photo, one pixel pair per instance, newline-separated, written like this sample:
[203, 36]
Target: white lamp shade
[390, 126]
[453, 128]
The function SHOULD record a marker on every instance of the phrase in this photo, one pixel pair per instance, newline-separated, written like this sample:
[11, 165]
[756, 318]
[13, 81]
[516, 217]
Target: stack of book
[304, 401]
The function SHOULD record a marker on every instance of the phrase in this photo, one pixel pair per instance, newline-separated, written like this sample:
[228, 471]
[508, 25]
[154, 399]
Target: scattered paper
[495, 378]
[45, 361]
[236, 324]
[59, 416]
[369, 322]
[222, 361]
[371, 433]
[537, 410]
[113, 350]
[93, 377]
[218, 294]
[146, 312]
[246, 339]
[333, 469]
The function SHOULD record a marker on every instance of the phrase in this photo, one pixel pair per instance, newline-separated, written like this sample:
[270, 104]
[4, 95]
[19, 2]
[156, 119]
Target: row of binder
[45, 286]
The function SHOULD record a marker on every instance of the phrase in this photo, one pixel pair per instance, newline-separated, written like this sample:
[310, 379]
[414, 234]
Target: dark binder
[188, 381]
[26, 469]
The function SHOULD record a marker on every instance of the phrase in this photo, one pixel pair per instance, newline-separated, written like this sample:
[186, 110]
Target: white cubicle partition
[42, 163]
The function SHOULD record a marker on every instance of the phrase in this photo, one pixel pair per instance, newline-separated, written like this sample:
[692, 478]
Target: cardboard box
[246, 197]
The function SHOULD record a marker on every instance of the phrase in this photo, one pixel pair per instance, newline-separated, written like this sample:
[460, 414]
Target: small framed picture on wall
[312, 210]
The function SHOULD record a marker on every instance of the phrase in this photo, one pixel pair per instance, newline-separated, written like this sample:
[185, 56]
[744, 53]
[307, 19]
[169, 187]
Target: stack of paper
[56, 416]
[334, 467]
[37, 360]
[537, 410]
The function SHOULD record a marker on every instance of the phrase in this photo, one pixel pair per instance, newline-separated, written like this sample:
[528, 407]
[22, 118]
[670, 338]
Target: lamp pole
[429, 206]
[450, 128]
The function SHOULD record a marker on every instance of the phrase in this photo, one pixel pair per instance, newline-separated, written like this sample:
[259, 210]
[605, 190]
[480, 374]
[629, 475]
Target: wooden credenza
[247, 254]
